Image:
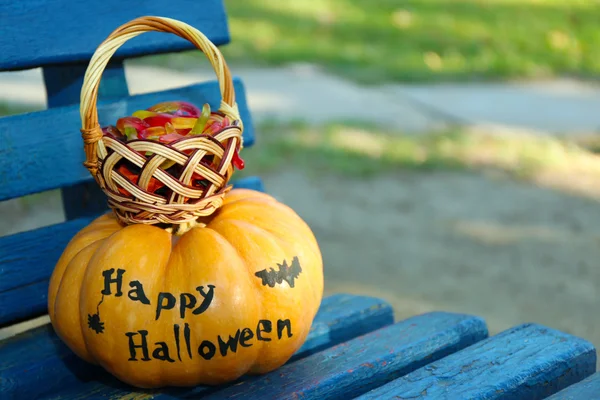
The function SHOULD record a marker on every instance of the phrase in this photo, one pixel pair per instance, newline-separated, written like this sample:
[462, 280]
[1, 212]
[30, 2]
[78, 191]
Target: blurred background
[443, 151]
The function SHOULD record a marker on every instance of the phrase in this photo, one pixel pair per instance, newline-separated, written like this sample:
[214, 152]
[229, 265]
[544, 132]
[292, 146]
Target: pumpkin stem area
[178, 230]
[181, 229]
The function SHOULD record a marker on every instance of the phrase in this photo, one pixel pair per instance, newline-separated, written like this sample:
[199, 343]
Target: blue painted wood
[51, 143]
[37, 363]
[63, 83]
[27, 260]
[527, 362]
[45, 32]
[23, 303]
[63, 87]
[26, 257]
[364, 363]
[251, 182]
[36, 379]
[40, 341]
[83, 200]
[588, 389]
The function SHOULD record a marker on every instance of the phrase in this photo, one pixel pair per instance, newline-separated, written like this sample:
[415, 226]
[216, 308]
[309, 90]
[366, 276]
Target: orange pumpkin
[235, 296]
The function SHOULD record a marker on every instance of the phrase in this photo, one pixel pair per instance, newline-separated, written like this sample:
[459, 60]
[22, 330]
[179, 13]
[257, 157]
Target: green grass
[360, 150]
[416, 40]
[12, 108]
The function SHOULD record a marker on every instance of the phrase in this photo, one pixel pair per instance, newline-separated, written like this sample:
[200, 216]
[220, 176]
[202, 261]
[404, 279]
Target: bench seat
[588, 389]
[354, 350]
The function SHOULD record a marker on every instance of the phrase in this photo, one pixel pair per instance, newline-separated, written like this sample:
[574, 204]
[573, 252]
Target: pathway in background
[304, 92]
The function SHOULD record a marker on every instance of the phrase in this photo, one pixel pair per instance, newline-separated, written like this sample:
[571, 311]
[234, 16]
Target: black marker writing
[285, 273]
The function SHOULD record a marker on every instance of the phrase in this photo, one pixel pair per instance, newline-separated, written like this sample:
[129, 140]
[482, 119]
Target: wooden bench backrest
[43, 150]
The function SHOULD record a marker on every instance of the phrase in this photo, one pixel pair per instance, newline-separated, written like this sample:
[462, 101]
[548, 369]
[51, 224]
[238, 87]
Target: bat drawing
[286, 273]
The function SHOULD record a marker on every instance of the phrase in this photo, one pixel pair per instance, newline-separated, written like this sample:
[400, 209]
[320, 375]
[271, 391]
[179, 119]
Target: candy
[169, 128]
[237, 160]
[112, 131]
[170, 137]
[153, 185]
[178, 108]
[200, 124]
[158, 119]
[166, 123]
[215, 125]
[181, 123]
[130, 133]
[131, 126]
[133, 122]
[143, 114]
[152, 133]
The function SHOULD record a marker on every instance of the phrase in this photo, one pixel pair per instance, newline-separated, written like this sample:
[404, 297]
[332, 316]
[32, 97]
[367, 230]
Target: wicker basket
[180, 209]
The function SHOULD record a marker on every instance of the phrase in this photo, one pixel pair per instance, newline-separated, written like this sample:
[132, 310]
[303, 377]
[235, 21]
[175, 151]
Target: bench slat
[63, 83]
[37, 363]
[364, 363]
[51, 142]
[43, 32]
[526, 362]
[83, 200]
[587, 389]
[28, 259]
[24, 303]
[63, 87]
[250, 182]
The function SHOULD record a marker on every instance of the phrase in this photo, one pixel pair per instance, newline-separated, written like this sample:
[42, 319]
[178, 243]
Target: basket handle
[91, 131]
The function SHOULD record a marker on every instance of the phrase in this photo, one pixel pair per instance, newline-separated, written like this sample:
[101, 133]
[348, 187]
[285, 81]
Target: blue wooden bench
[354, 349]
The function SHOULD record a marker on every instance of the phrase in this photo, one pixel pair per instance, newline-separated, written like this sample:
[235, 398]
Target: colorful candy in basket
[166, 123]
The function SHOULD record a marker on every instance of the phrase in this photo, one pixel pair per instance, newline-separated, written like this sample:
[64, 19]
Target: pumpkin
[235, 295]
